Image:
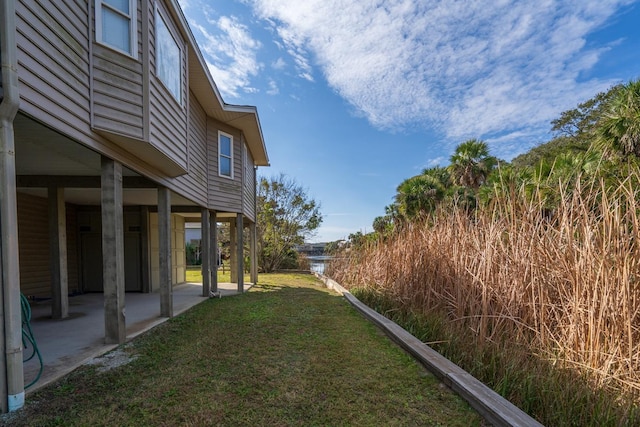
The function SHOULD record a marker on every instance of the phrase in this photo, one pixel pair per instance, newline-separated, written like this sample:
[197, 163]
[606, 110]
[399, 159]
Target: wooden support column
[58, 253]
[253, 249]
[233, 253]
[164, 236]
[206, 252]
[113, 252]
[145, 249]
[240, 253]
[215, 252]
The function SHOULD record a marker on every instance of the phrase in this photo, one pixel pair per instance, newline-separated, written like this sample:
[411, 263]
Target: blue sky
[356, 96]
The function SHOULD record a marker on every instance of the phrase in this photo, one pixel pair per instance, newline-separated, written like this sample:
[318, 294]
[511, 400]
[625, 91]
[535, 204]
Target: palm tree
[619, 127]
[442, 174]
[419, 195]
[382, 224]
[471, 163]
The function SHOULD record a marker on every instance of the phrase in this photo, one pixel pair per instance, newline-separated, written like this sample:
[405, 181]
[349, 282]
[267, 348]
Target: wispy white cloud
[438, 161]
[273, 88]
[230, 52]
[470, 69]
[279, 64]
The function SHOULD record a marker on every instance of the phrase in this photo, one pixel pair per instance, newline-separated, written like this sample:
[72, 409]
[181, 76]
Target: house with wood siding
[113, 137]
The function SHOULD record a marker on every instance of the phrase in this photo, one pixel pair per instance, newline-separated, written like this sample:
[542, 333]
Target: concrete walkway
[69, 343]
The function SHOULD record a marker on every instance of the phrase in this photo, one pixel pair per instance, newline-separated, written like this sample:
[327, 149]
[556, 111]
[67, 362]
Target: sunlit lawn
[194, 275]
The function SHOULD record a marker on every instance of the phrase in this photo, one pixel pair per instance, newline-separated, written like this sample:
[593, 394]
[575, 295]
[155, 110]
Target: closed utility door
[91, 253]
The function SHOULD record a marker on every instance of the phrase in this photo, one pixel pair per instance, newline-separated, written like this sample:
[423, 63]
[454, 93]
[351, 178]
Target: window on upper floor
[168, 58]
[225, 155]
[116, 25]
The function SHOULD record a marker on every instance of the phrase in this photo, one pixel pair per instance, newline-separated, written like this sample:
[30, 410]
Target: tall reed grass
[553, 296]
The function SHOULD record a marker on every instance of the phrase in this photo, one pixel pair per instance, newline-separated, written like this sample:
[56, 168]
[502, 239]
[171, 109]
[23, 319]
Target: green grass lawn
[286, 353]
[194, 275]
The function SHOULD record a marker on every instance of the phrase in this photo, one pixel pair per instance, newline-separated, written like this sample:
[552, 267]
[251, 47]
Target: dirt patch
[113, 359]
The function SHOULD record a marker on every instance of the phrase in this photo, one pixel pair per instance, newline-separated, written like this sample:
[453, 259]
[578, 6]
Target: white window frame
[220, 155]
[133, 26]
[160, 15]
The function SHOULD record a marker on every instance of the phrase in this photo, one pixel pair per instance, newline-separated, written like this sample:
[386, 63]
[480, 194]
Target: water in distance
[318, 262]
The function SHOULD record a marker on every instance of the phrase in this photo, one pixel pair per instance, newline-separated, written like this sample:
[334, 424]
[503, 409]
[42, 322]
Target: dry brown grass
[565, 287]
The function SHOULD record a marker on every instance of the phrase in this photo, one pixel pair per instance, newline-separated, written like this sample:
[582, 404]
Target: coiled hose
[29, 339]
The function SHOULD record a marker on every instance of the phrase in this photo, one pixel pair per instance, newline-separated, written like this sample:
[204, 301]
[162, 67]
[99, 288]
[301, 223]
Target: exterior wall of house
[33, 234]
[225, 194]
[178, 251]
[248, 187]
[118, 82]
[117, 102]
[195, 182]
[53, 61]
[168, 117]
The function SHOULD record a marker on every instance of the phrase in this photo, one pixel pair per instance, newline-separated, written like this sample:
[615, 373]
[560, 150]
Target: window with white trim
[225, 155]
[116, 25]
[168, 58]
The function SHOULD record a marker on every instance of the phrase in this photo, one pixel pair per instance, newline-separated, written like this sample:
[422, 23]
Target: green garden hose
[29, 339]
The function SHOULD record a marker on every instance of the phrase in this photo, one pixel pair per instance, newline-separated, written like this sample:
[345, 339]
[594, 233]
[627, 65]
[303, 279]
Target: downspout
[12, 392]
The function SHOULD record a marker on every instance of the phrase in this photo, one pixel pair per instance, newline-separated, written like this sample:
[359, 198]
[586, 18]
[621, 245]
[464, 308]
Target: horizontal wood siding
[225, 195]
[248, 194]
[117, 99]
[195, 182]
[117, 102]
[33, 241]
[53, 60]
[168, 127]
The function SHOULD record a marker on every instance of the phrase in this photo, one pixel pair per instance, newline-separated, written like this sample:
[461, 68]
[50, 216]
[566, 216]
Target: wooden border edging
[493, 407]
